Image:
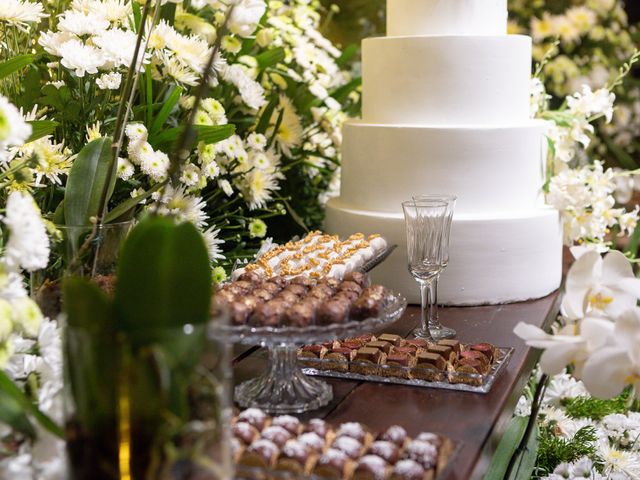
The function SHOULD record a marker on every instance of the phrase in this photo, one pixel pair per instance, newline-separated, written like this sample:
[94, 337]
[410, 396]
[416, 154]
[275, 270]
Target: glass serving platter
[447, 379]
[284, 388]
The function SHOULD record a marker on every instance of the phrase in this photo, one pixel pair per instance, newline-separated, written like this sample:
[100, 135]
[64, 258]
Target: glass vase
[85, 251]
[155, 405]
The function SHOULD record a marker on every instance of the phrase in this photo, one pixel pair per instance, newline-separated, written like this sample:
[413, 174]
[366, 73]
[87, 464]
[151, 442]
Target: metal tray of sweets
[442, 379]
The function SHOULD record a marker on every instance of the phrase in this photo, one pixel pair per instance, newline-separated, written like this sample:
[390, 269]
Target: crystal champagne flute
[439, 331]
[425, 221]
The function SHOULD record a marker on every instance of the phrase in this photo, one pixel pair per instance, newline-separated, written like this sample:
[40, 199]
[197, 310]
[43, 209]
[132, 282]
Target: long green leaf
[164, 277]
[87, 179]
[506, 449]
[12, 412]
[347, 54]
[270, 57]
[91, 351]
[14, 401]
[16, 63]
[40, 128]
[527, 461]
[166, 109]
[127, 205]
[205, 133]
[341, 93]
[265, 119]
[624, 159]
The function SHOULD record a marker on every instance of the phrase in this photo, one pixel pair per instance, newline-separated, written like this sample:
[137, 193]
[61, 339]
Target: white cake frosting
[446, 80]
[446, 17]
[494, 259]
[489, 169]
[446, 110]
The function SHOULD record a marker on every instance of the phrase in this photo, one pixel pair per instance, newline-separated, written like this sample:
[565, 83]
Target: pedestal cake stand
[284, 388]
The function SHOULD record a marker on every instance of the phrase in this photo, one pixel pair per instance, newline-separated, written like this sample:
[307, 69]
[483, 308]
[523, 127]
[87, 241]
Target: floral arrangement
[594, 39]
[268, 129]
[30, 349]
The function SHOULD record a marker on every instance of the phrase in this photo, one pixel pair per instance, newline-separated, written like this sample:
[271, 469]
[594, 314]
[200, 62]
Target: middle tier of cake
[489, 168]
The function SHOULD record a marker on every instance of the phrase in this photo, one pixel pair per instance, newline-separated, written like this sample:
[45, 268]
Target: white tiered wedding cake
[446, 110]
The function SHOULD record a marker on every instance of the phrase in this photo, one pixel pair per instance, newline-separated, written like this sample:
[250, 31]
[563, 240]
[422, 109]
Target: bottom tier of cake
[494, 259]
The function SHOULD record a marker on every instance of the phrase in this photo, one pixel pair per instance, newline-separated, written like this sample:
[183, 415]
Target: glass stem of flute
[427, 305]
[434, 320]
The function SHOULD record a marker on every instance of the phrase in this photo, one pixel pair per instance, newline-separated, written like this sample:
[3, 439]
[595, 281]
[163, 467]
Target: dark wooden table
[476, 421]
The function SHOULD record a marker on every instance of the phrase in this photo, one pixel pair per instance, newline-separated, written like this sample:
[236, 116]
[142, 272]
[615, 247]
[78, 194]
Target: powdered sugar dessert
[317, 255]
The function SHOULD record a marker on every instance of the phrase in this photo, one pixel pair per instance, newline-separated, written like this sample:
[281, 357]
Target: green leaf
[347, 54]
[341, 93]
[270, 57]
[86, 182]
[265, 119]
[205, 133]
[16, 63]
[506, 448]
[14, 405]
[527, 461]
[130, 203]
[166, 109]
[91, 351]
[12, 412]
[40, 128]
[164, 277]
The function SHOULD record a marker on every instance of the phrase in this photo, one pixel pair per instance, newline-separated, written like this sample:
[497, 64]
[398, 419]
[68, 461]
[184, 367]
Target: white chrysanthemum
[109, 81]
[257, 141]
[80, 58]
[183, 206]
[11, 282]
[118, 47]
[53, 159]
[19, 13]
[289, 134]
[80, 23]
[215, 110]
[125, 169]
[211, 169]
[213, 244]
[619, 461]
[115, 11]
[156, 165]
[52, 41]
[28, 244]
[251, 92]
[190, 175]
[27, 317]
[174, 68]
[563, 386]
[245, 16]
[136, 132]
[258, 188]
[14, 131]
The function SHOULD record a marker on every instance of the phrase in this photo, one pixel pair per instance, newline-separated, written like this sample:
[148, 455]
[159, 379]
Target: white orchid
[603, 285]
[572, 345]
[616, 365]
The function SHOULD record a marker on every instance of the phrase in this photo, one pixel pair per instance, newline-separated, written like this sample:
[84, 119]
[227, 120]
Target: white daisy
[118, 47]
[258, 188]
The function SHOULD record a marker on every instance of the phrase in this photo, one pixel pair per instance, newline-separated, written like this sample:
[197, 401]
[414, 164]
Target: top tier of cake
[446, 17]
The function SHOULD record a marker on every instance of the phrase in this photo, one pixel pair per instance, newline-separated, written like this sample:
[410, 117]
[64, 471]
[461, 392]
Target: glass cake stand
[284, 388]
